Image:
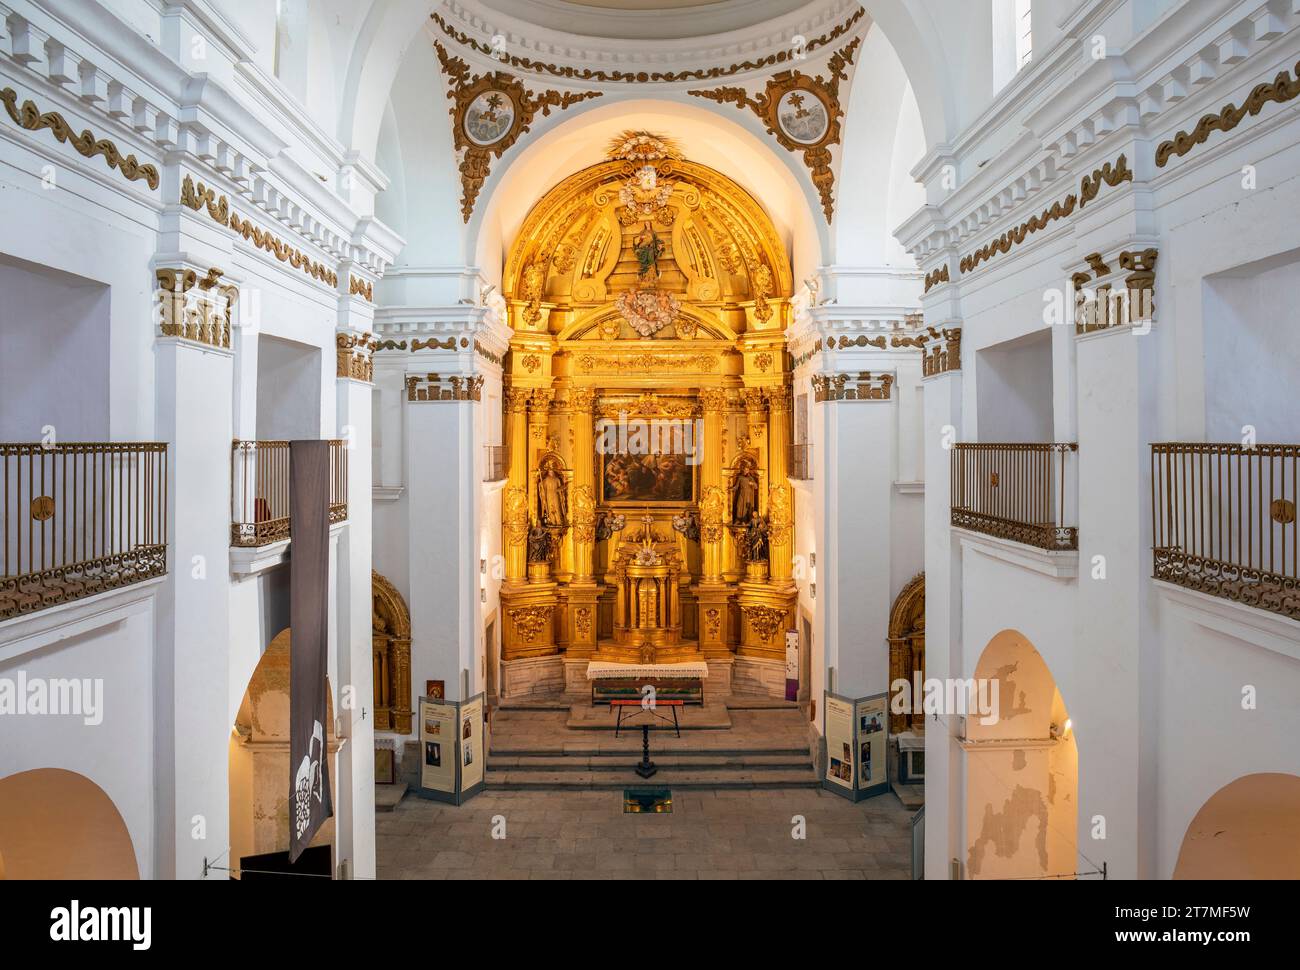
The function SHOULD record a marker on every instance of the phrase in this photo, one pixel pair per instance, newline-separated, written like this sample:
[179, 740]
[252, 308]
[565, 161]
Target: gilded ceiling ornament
[645, 77]
[642, 146]
[489, 113]
[648, 311]
[1282, 89]
[803, 113]
[86, 144]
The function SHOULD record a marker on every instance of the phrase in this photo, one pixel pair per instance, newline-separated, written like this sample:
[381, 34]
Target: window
[1024, 33]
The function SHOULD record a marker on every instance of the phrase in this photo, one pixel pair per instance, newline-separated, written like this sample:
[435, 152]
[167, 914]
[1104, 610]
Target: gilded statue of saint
[552, 501]
[744, 494]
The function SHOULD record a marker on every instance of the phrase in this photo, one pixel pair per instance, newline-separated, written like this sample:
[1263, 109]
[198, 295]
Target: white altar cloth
[597, 670]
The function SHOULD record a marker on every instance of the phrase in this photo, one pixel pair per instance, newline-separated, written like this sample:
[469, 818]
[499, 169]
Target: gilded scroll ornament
[713, 507]
[194, 309]
[87, 145]
[489, 113]
[531, 620]
[431, 387]
[582, 620]
[584, 514]
[766, 621]
[1280, 90]
[360, 287]
[780, 519]
[1112, 175]
[934, 278]
[712, 623]
[803, 113]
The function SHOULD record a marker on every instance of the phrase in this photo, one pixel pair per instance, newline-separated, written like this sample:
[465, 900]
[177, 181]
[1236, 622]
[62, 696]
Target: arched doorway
[259, 759]
[1249, 829]
[57, 824]
[1022, 769]
[391, 653]
[907, 652]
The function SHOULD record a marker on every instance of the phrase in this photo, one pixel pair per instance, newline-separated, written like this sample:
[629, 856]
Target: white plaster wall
[109, 639]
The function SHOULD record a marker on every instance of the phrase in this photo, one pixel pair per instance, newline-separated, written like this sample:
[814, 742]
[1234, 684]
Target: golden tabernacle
[647, 512]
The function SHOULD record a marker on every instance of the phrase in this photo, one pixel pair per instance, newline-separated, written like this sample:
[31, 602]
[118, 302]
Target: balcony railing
[799, 462]
[259, 479]
[80, 519]
[495, 463]
[1224, 521]
[1021, 492]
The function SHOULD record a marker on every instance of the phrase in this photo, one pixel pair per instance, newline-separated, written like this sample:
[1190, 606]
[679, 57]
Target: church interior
[649, 439]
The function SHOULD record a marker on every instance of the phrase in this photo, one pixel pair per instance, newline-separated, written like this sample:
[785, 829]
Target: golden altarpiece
[647, 513]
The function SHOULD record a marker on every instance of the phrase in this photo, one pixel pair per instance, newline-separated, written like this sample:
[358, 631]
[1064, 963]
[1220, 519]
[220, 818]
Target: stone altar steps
[607, 770]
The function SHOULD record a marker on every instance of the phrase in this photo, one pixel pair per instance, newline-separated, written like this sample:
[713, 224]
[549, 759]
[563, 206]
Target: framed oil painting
[665, 478]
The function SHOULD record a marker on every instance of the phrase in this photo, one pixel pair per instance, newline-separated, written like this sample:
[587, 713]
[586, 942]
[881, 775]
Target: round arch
[1022, 770]
[58, 824]
[717, 137]
[1248, 829]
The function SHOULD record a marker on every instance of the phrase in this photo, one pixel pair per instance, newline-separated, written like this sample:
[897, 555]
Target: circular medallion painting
[803, 117]
[489, 118]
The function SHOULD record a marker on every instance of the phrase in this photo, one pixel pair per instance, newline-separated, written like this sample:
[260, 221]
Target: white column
[1115, 735]
[943, 642]
[194, 404]
[355, 785]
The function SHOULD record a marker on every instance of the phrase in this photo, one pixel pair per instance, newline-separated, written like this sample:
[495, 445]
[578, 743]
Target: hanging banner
[309, 578]
[792, 665]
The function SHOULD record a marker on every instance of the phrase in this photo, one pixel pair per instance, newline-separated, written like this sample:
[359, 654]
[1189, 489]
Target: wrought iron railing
[495, 463]
[799, 462]
[1224, 521]
[80, 519]
[259, 490]
[1022, 492]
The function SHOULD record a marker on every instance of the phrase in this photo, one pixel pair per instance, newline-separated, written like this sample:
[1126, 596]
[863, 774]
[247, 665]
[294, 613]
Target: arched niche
[390, 623]
[57, 824]
[1022, 769]
[259, 759]
[1249, 829]
[907, 650]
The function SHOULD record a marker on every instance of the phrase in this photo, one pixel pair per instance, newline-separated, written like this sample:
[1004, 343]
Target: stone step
[620, 761]
[387, 796]
[678, 779]
[633, 746]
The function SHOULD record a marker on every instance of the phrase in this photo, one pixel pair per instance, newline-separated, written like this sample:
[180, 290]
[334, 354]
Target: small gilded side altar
[647, 512]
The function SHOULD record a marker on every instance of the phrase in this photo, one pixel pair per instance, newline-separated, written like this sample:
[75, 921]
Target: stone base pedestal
[750, 675]
[575, 675]
[718, 686]
[533, 677]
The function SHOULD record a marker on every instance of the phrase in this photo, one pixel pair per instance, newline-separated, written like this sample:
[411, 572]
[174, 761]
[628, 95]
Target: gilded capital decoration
[517, 399]
[803, 113]
[431, 387]
[941, 358]
[195, 309]
[1280, 90]
[755, 400]
[87, 145]
[489, 113]
[355, 356]
[581, 399]
[778, 398]
[646, 77]
[865, 387]
[713, 399]
[1100, 307]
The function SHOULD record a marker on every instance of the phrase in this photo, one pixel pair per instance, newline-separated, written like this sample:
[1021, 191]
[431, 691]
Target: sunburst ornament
[642, 146]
